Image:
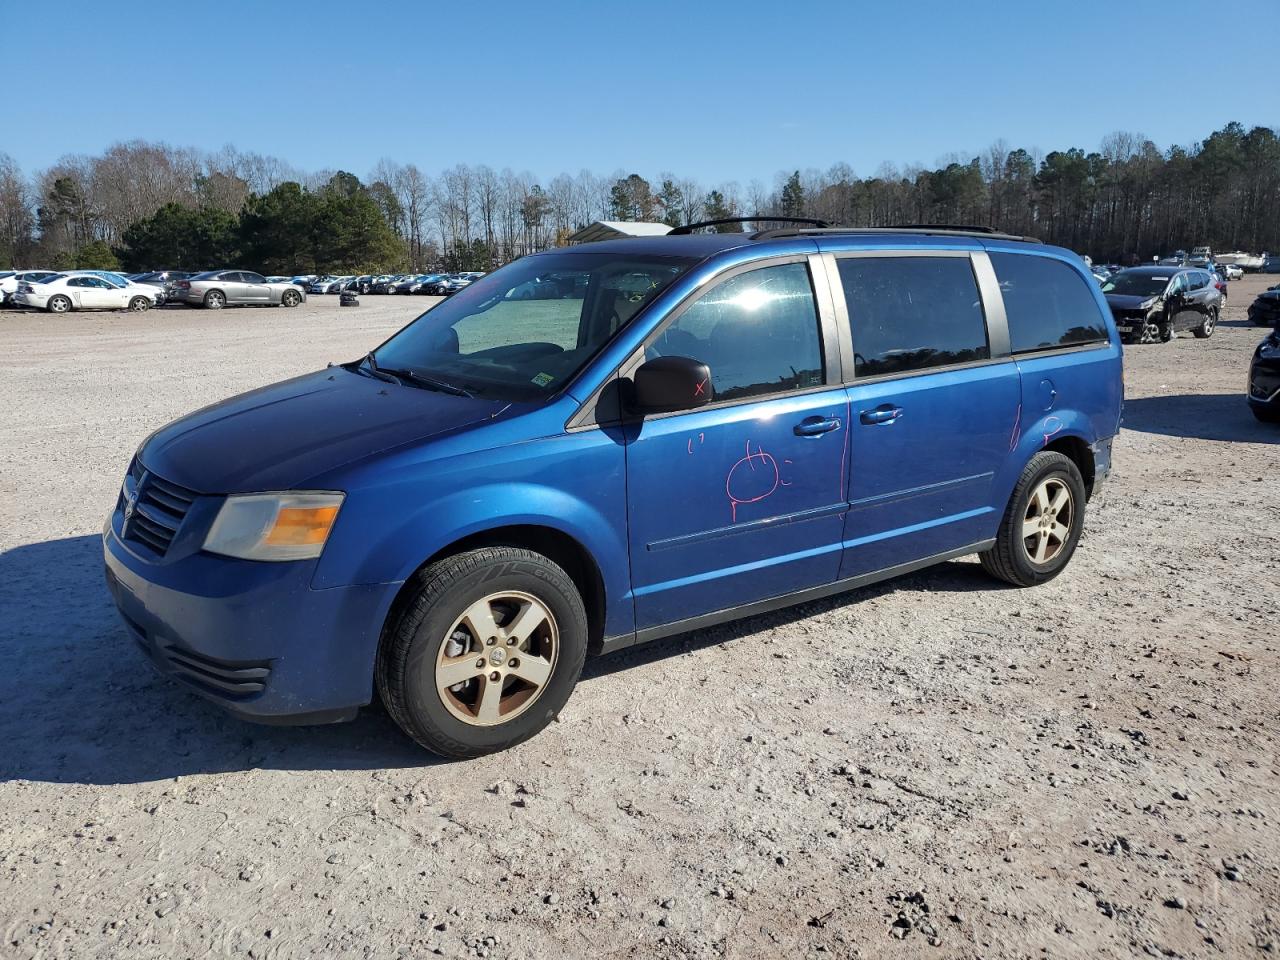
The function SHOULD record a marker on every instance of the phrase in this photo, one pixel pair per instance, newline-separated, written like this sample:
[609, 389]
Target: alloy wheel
[1046, 526]
[497, 658]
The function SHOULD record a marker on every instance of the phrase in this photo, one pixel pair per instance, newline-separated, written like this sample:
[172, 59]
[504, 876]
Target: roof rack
[926, 229]
[690, 227]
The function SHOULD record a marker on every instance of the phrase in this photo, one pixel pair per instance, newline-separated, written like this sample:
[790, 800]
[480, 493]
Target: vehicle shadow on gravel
[1213, 416]
[79, 703]
[952, 576]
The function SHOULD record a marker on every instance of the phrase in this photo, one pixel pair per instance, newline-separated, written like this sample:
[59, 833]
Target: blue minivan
[677, 431]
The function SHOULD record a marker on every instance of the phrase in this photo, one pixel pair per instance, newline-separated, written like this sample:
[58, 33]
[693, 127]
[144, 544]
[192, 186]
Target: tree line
[141, 205]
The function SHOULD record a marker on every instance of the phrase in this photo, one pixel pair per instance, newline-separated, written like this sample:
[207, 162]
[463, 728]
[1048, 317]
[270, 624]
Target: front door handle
[815, 426]
[885, 413]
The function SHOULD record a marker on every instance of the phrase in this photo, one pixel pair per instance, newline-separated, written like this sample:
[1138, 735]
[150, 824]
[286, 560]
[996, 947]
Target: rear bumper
[251, 637]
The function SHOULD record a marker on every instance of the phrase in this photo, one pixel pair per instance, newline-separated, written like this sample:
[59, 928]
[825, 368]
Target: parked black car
[166, 280]
[1265, 311]
[1151, 304]
[1264, 379]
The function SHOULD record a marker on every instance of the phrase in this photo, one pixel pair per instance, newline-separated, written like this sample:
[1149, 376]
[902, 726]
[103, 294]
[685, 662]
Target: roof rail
[690, 227]
[935, 230]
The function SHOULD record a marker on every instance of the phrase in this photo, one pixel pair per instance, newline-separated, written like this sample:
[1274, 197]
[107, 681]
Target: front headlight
[274, 526]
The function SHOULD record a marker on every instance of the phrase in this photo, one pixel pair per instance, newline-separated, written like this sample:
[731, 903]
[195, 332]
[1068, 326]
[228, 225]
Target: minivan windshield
[522, 332]
[1131, 284]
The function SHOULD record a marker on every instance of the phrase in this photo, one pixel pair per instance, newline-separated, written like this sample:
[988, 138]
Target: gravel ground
[935, 766]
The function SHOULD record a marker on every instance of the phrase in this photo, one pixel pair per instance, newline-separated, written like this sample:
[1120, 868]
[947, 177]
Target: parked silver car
[220, 288]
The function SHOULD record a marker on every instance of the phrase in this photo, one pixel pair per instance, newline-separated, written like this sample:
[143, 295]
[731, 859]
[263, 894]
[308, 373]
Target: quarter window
[758, 332]
[912, 313]
[1047, 303]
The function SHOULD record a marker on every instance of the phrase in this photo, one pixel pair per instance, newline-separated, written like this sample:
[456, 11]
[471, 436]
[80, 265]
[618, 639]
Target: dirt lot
[936, 766]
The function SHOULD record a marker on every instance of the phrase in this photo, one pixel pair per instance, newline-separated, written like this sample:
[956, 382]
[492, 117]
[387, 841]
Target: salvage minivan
[694, 428]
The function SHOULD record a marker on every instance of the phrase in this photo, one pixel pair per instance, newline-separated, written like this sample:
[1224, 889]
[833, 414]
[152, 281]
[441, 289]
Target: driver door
[97, 294]
[743, 499]
[254, 288]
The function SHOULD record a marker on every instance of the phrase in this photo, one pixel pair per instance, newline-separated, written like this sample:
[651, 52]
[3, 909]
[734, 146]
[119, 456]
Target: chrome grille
[159, 507]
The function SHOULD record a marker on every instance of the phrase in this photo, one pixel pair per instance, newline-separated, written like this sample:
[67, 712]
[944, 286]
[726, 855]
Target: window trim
[830, 343]
[984, 278]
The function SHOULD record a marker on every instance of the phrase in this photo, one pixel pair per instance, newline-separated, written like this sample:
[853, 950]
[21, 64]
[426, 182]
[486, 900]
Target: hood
[1128, 301]
[278, 437]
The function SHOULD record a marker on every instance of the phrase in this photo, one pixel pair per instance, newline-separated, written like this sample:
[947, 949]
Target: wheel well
[1080, 454]
[556, 546]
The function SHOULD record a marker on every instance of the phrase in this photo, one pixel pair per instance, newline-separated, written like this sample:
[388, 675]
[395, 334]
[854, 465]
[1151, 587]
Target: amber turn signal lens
[301, 526]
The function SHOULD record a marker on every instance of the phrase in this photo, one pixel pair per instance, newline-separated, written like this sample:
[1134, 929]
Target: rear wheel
[215, 300]
[1207, 325]
[290, 298]
[1042, 523]
[485, 651]
[1266, 416]
[58, 304]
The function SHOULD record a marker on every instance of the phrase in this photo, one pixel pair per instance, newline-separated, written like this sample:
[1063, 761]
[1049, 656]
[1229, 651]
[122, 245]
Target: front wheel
[1207, 325]
[1151, 332]
[1042, 523]
[485, 651]
[1266, 416]
[139, 304]
[58, 304]
[214, 300]
[290, 298]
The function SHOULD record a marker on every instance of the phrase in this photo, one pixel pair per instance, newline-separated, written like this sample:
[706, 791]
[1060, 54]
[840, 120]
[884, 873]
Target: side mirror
[666, 384]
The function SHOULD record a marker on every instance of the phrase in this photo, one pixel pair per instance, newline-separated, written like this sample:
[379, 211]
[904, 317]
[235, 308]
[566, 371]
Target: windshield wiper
[429, 382]
[378, 372]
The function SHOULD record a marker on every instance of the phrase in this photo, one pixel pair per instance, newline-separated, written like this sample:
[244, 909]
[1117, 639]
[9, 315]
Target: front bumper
[252, 637]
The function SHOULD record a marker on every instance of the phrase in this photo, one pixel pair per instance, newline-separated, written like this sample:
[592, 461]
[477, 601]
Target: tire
[139, 304]
[434, 629]
[1207, 326]
[290, 298]
[58, 304]
[215, 300]
[1011, 558]
[1266, 416]
[1151, 332]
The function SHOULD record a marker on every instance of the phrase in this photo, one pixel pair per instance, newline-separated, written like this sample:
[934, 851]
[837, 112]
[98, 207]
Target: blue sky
[718, 91]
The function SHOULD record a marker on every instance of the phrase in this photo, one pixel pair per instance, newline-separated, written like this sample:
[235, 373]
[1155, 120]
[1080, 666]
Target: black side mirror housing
[666, 384]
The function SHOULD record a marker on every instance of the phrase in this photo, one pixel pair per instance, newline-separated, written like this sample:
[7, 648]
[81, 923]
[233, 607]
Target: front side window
[522, 332]
[252, 278]
[912, 313]
[1047, 303]
[758, 332]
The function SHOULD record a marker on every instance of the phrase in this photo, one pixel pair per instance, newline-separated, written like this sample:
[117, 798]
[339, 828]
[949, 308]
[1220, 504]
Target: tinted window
[79, 282]
[252, 278]
[911, 313]
[1050, 305]
[758, 332]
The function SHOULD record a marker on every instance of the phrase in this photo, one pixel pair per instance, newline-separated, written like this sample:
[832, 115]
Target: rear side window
[912, 313]
[1048, 304]
[758, 332]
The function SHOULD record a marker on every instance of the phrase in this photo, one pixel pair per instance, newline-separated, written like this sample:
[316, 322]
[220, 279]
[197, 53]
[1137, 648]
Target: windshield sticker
[543, 379]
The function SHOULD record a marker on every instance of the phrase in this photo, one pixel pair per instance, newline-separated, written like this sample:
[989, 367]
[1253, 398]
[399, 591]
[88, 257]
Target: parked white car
[83, 291]
[1230, 271]
[9, 281]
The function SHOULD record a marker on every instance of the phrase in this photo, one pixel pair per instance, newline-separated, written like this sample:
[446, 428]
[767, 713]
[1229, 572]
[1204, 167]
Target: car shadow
[953, 576]
[1209, 416]
[79, 703]
[1263, 330]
